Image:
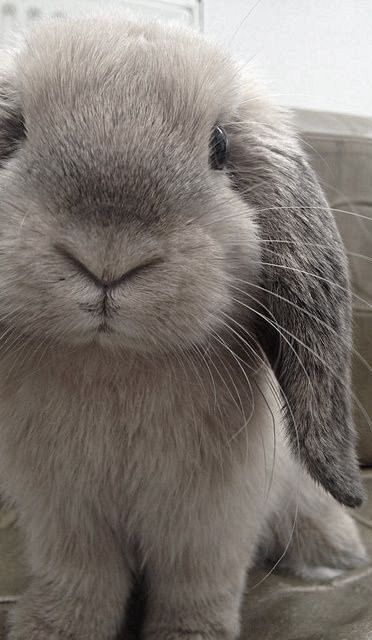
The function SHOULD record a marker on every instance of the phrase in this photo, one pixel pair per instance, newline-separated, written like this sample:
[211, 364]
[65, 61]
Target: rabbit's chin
[130, 338]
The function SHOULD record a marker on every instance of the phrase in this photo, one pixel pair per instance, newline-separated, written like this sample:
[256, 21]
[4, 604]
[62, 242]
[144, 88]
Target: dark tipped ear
[12, 129]
[305, 274]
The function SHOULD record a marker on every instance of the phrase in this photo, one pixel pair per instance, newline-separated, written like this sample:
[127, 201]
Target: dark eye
[219, 149]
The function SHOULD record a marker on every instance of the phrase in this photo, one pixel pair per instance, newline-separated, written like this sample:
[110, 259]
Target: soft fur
[143, 295]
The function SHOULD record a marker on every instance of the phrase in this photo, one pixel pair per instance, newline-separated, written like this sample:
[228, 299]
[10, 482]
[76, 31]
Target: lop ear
[307, 339]
[12, 129]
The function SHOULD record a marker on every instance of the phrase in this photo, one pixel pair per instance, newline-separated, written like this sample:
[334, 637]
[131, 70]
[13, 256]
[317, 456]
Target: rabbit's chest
[121, 439]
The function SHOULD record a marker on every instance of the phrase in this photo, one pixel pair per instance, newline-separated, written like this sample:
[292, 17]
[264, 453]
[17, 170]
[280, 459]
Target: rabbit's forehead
[118, 118]
[176, 75]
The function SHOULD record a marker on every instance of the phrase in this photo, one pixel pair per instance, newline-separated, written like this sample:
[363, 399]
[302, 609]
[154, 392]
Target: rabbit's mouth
[102, 311]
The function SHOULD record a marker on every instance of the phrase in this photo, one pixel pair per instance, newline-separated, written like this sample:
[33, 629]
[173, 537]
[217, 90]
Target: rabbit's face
[118, 221]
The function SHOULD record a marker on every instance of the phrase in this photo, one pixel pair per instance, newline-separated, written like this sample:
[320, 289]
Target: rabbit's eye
[219, 149]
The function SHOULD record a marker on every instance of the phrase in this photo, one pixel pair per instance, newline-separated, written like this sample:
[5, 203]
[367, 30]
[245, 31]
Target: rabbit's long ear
[307, 335]
[12, 129]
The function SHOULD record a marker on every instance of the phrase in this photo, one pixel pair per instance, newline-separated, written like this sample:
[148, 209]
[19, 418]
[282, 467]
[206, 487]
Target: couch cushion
[340, 147]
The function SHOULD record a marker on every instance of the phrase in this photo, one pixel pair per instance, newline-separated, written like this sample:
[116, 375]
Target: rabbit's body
[141, 426]
[139, 445]
[136, 469]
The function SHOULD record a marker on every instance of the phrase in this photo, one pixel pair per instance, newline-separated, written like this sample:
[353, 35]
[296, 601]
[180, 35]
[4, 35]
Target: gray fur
[141, 426]
[291, 208]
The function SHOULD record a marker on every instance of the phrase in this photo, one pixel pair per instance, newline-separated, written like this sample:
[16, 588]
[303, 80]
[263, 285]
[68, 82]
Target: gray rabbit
[175, 335]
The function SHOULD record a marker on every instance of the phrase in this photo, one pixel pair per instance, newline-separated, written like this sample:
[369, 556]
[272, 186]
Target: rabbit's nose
[102, 282]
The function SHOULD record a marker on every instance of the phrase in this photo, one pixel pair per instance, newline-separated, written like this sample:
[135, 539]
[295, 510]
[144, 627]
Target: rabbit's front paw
[25, 625]
[34, 629]
[67, 611]
[174, 635]
[186, 634]
[201, 622]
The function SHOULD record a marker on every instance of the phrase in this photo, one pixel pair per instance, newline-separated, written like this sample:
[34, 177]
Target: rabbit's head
[114, 203]
[151, 200]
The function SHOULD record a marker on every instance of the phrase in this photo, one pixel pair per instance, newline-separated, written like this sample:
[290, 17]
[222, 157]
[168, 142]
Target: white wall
[19, 14]
[316, 53]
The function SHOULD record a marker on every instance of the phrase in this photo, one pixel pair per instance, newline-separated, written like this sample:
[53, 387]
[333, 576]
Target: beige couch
[283, 608]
